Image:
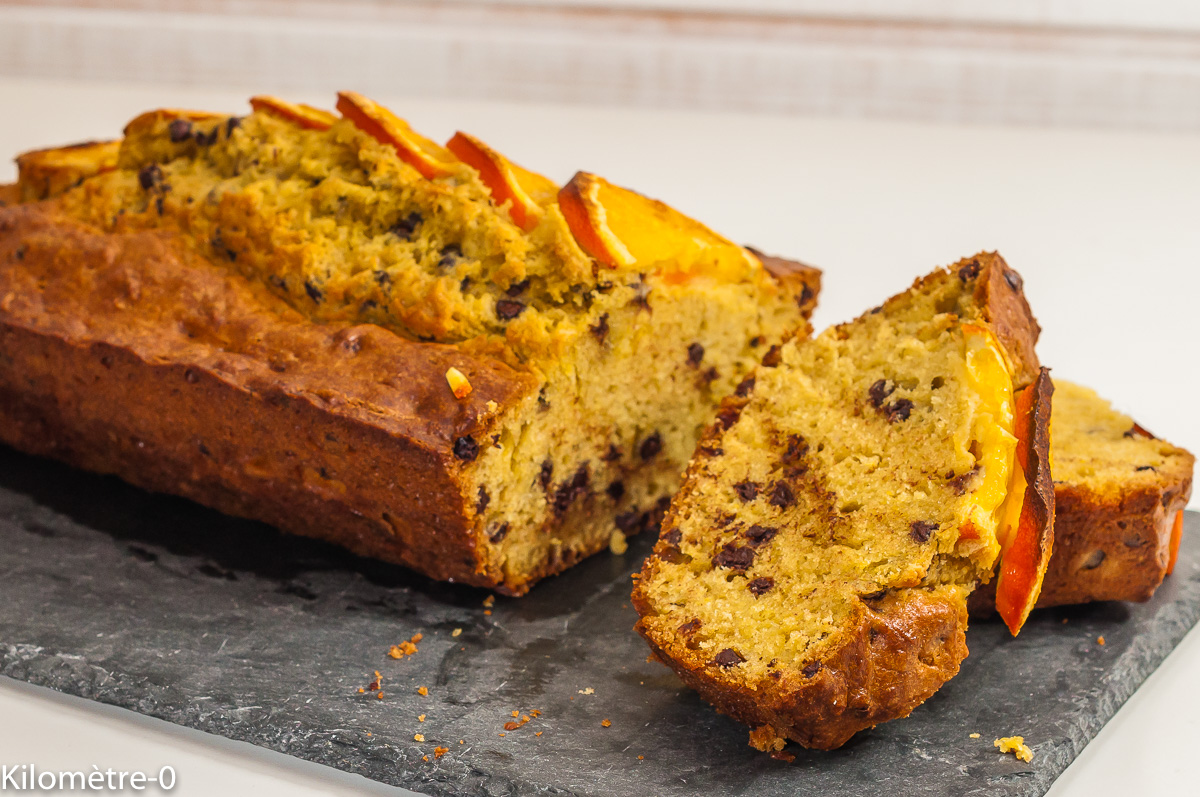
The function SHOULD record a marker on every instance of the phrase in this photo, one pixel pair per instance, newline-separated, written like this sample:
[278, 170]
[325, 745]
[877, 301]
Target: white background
[1103, 225]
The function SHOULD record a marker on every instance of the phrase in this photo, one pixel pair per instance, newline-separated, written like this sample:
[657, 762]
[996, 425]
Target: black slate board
[163, 607]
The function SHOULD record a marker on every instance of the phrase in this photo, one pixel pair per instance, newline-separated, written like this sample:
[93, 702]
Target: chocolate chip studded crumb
[961, 483]
[879, 391]
[728, 658]
[761, 585]
[811, 669]
[760, 535]
[466, 449]
[599, 329]
[920, 530]
[546, 474]
[481, 503]
[695, 354]
[746, 490]
[651, 446]
[734, 557]
[508, 309]
[782, 495]
[576, 487]
[673, 537]
[899, 410]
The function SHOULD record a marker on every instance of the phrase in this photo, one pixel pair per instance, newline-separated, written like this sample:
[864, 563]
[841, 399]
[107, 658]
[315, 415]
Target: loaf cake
[812, 574]
[333, 324]
[1119, 494]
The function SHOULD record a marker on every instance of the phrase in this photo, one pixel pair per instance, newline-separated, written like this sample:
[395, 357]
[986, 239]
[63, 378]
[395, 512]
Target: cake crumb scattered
[456, 632]
[420, 718]
[438, 752]
[1064, 621]
[425, 758]
[462, 741]
[539, 733]
[379, 696]
[1015, 745]
[588, 691]
[417, 737]
[974, 736]
[422, 691]
[516, 713]
[1100, 640]
[488, 612]
[617, 543]
[641, 758]
[607, 723]
[489, 601]
[492, 407]
[459, 384]
[504, 734]
[767, 739]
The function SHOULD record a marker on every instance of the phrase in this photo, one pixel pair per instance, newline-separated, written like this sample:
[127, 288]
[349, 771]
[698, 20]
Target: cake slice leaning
[812, 575]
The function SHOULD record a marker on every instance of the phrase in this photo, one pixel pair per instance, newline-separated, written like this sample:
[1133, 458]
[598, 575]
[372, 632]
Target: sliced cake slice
[812, 575]
[1119, 493]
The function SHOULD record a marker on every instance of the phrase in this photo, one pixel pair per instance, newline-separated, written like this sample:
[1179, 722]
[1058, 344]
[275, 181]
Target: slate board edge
[61, 672]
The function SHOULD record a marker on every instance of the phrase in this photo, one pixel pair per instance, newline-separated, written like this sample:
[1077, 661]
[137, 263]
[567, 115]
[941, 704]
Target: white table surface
[1104, 226]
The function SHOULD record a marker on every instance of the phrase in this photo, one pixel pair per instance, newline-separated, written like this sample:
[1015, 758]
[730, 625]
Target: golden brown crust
[999, 290]
[892, 655]
[9, 195]
[127, 354]
[799, 279]
[46, 173]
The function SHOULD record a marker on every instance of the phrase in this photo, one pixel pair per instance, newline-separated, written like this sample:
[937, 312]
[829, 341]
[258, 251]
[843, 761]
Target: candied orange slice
[623, 229]
[306, 116]
[528, 192]
[424, 155]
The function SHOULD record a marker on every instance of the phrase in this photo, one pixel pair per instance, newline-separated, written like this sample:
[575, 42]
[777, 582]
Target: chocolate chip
[806, 295]
[450, 255]
[546, 474]
[898, 410]
[313, 292]
[484, 499]
[782, 495]
[1013, 279]
[760, 535]
[761, 585]
[710, 376]
[690, 627]
[631, 521]
[879, 391]
[404, 228]
[773, 357]
[231, 124]
[508, 309]
[745, 387]
[734, 557]
[650, 446]
[1095, 560]
[517, 288]
[383, 278]
[641, 299]
[695, 353]
[1141, 468]
[959, 483]
[755, 342]
[158, 205]
[728, 658]
[464, 285]
[797, 448]
[21, 252]
[206, 139]
[728, 414]
[600, 328]
[466, 449]
[150, 176]
[179, 130]
[612, 454]
[499, 534]
[574, 488]
[673, 537]
[724, 520]
[1137, 431]
[616, 490]
[746, 490]
[191, 377]
[969, 272]
[920, 530]
[878, 594]
[811, 669]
